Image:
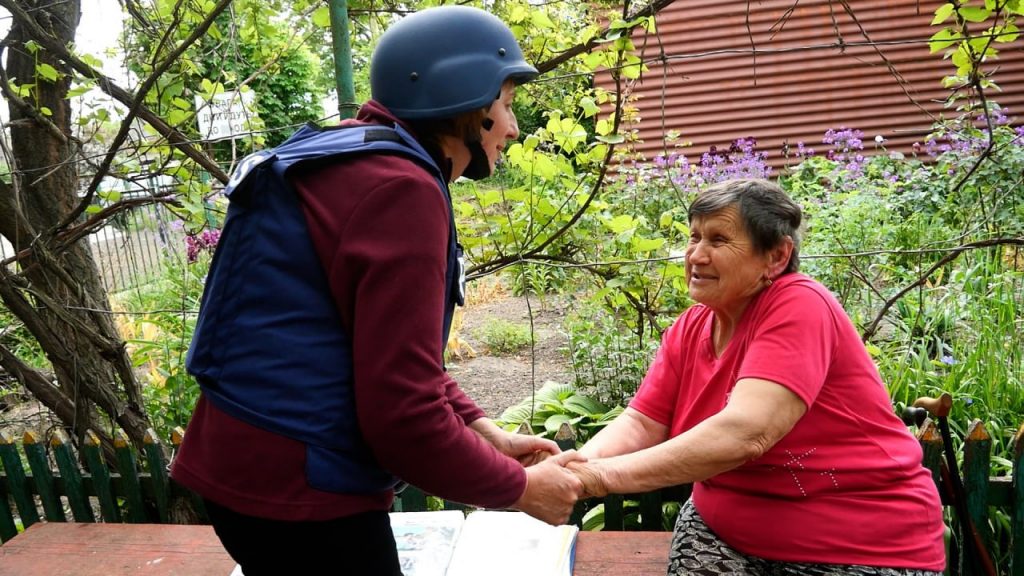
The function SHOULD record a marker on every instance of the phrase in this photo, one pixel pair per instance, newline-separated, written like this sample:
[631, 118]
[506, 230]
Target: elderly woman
[763, 395]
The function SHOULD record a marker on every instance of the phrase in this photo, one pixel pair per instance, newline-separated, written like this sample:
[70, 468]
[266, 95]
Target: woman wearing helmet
[319, 346]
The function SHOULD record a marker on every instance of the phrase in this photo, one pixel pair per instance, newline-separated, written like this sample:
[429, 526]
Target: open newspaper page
[512, 544]
[425, 540]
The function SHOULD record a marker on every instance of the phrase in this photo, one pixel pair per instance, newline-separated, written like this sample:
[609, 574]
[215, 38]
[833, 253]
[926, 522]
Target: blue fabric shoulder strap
[311, 143]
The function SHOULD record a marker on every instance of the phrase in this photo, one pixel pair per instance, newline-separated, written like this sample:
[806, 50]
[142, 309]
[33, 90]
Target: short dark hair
[768, 214]
[465, 127]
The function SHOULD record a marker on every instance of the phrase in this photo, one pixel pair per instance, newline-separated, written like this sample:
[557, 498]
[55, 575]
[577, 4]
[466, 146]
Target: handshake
[554, 482]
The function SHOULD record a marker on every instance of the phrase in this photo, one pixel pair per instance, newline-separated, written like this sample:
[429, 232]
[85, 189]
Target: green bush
[504, 337]
[607, 358]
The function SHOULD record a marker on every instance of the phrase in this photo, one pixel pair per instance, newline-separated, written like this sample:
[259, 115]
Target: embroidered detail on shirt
[795, 464]
[831, 476]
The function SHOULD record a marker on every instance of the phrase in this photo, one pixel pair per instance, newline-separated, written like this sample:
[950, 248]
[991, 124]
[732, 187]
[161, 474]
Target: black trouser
[359, 545]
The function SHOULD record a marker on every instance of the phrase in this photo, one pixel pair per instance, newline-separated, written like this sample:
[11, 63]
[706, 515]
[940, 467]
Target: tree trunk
[56, 291]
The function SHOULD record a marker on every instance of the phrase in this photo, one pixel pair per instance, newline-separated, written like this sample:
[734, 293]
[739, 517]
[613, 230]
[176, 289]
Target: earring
[767, 281]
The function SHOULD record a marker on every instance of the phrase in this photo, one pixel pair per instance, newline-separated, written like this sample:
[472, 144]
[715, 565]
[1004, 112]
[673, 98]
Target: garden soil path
[494, 381]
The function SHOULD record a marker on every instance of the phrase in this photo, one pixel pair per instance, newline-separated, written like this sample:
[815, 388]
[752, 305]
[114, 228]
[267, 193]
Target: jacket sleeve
[384, 249]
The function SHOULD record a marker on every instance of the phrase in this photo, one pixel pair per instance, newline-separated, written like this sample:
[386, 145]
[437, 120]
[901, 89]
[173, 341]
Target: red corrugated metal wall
[712, 93]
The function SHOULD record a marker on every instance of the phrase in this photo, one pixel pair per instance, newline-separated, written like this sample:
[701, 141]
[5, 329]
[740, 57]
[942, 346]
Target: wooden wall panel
[713, 91]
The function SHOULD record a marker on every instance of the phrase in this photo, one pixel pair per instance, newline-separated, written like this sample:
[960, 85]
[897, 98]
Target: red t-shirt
[846, 484]
[379, 224]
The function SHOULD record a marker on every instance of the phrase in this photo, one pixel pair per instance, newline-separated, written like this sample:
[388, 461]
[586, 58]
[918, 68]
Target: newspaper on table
[447, 543]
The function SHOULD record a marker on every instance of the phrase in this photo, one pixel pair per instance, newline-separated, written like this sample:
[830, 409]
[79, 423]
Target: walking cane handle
[937, 407]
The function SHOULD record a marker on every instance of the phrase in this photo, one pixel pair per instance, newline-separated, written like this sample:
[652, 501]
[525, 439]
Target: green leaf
[91, 60]
[620, 223]
[555, 421]
[176, 117]
[93, 209]
[589, 107]
[594, 60]
[594, 518]
[647, 244]
[1009, 33]
[45, 111]
[541, 20]
[78, 91]
[519, 14]
[942, 39]
[181, 103]
[322, 17]
[974, 14]
[585, 406]
[544, 167]
[979, 46]
[489, 197]
[962, 61]
[613, 139]
[22, 90]
[48, 72]
[943, 13]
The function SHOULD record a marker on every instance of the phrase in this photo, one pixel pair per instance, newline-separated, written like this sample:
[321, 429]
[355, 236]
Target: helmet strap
[479, 166]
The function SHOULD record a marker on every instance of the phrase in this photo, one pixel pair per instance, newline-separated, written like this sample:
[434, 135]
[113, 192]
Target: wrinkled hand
[591, 475]
[551, 489]
[528, 450]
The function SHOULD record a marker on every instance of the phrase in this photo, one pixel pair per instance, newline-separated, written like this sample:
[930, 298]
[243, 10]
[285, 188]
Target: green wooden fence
[58, 486]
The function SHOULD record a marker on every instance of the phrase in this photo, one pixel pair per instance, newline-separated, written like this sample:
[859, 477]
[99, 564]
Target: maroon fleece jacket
[379, 224]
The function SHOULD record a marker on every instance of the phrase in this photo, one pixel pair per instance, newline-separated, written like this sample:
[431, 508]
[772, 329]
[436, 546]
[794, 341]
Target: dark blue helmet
[441, 62]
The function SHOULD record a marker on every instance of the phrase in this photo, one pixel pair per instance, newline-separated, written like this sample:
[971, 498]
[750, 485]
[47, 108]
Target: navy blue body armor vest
[269, 347]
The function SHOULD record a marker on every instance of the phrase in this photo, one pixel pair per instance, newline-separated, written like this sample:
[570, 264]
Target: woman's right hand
[551, 489]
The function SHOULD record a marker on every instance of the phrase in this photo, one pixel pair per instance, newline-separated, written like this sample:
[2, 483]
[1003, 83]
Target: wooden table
[82, 549]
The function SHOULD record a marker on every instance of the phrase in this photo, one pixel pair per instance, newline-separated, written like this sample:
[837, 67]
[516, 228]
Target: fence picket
[650, 511]
[931, 444]
[17, 483]
[977, 455]
[53, 509]
[74, 489]
[8, 529]
[157, 472]
[129, 478]
[100, 476]
[613, 516]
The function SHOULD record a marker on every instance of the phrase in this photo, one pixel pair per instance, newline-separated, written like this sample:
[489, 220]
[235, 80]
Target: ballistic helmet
[441, 62]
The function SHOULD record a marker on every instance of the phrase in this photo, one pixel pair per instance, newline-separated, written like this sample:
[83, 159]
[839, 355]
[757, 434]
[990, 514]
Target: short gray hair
[767, 212]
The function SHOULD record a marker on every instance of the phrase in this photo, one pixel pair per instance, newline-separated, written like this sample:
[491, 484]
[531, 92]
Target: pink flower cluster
[196, 243]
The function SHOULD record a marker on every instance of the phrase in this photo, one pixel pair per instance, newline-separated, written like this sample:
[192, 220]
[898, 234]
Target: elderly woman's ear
[778, 258]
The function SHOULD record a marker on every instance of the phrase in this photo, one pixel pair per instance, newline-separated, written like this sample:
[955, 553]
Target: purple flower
[192, 248]
[948, 360]
[197, 243]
